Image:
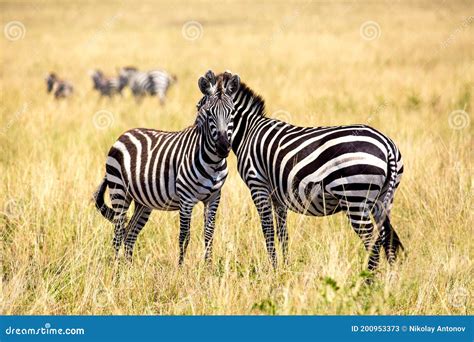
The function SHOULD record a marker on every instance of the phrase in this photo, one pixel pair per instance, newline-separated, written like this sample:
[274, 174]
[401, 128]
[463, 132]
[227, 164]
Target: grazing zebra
[171, 170]
[61, 88]
[154, 82]
[317, 171]
[107, 86]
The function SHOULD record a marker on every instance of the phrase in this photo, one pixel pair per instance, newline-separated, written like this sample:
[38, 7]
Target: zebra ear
[233, 85]
[211, 77]
[205, 86]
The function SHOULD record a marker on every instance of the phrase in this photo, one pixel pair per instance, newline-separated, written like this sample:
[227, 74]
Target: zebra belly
[312, 200]
[153, 192]
[203, 189]
[329, 197]
[170, 203]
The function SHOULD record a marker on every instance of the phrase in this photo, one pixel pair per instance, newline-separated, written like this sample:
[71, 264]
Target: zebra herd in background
[315, 171]
[141, 83]
[60, 88]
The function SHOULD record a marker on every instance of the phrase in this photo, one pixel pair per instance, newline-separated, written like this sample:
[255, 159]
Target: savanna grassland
[404, 67]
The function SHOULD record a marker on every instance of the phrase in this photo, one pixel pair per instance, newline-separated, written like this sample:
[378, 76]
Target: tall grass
[314, 66]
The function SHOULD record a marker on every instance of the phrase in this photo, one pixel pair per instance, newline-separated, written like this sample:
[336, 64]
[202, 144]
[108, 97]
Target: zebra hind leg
[390, 241]
[359, 217]
[136, 224]
[120, 205]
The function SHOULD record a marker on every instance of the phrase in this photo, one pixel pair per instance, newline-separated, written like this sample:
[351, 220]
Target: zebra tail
[392, 175]
[105, 210]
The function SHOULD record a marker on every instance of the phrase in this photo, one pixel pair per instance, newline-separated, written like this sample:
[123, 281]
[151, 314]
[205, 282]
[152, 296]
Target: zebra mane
[257, 101]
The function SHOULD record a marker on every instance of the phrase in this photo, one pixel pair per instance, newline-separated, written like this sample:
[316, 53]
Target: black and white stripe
[107, 86]
[154, 82]
[60, 88]
[171, 170]
[317, 171]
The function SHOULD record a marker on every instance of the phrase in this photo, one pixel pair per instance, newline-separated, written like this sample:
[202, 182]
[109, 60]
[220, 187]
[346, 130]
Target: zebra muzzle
[222, 146]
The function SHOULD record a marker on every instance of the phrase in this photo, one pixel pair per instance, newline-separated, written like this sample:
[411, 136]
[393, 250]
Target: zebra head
[50, 81]
[98, 78]
[126, 73]
[216, 108]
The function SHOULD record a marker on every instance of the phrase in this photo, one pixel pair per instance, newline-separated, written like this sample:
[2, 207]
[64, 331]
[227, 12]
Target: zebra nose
[222, 145]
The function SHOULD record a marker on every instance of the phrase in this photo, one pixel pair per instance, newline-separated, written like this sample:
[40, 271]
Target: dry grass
[313, 67]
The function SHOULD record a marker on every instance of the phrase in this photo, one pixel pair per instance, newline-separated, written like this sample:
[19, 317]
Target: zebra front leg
[209, 225]
[137, 222]
[281, 213]
[261, 198]
[185, 211]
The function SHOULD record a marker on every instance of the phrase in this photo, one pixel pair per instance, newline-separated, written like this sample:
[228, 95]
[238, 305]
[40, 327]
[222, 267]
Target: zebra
[316, 171]
[154, 82]
[61, 88]
[107, 86]
[171, 170]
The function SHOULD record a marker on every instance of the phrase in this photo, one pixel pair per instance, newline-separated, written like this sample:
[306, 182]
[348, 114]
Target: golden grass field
[315, 64]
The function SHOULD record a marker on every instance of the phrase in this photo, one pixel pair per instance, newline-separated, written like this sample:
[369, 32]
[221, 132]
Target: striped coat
[154, 82]
[60, 88]
[107, 86]
[317, 171]
[169, 171]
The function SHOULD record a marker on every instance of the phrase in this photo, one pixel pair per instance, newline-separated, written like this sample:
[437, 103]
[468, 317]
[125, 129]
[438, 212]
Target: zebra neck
[245, 127]
[249, 112]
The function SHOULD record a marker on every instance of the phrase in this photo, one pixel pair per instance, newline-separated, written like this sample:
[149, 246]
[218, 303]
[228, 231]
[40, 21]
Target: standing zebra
[171, 170]
[154, 82]
[107, 86]
[61, 88]
[317, 171]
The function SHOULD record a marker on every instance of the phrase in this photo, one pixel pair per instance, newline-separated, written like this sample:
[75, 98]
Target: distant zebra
[171, 170]
[317, 171]
[107, 86]
[60, 87]
[154, 82]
